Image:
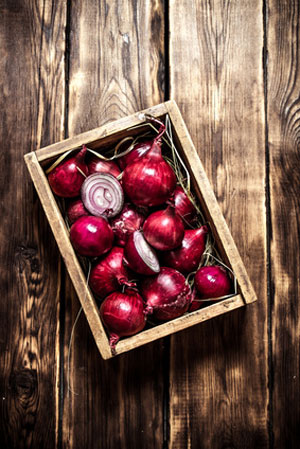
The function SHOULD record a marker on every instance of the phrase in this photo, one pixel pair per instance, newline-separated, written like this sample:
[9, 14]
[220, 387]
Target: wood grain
[116, 68]
[32, 110]
[218, 371]
[283, 113]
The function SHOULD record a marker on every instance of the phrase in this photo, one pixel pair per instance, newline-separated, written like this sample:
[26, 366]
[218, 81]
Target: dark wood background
[233, 68]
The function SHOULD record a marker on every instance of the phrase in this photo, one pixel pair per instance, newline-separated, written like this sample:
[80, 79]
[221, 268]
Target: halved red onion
[102, 194]
[139, 256]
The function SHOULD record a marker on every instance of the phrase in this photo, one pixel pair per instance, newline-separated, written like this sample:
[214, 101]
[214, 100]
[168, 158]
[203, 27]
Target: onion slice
[102, 194]
[139, 256]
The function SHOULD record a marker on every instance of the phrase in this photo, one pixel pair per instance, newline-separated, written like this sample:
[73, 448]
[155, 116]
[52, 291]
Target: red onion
[167, 295]
[123, 315]
[163, 229]
[97, 165]
[109, 274]
[102, 194]
[139, 150]
[183, 206]
[76, 210]
[128, 221]
[150, 180]
[139, 256]
[212, 282]
[196, 303]
[91, 236]
[65, 179]
[187, 257]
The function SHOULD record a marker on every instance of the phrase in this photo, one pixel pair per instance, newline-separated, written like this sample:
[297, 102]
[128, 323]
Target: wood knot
[23, 384]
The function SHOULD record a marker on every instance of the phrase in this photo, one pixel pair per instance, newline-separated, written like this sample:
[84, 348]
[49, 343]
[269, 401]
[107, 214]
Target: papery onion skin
[186, 258]
[150, 180]
[129, 220]
[91, 236]
[184, 207]
[123, 314]
[133, 258]
[212, 282]
[164, 229]
[76, 210]
[139, 150]
[66, 180]
[167, 295]
[97, 165]
[96, 192]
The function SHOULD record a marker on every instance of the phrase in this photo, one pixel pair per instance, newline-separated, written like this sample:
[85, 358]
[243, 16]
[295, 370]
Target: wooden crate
[112, 133]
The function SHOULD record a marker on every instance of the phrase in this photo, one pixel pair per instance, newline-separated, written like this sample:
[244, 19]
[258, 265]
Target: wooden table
[232, 67]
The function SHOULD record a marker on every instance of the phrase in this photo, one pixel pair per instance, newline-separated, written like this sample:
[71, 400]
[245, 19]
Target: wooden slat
[283, 114]
[116, 66]
[218, 377]
[32, 111]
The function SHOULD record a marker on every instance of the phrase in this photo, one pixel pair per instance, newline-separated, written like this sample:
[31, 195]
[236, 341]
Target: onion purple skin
[163, 229]
[167, 295]
[139, 150]
[109, 274]
[212, 282]
[97, 165]
[133, 260]
[196, 302]
[123, 315]
[187, 257]
[76, 210]
[66, 180]
[91, 236]
[129, 220]
[184, 207]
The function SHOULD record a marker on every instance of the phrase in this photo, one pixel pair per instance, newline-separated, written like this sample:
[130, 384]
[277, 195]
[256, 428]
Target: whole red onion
[139, 150]
[91, 236]
[65, 179]
[212, 282]
[123, 315]
[139, 256]
[167, 295]
[76, 210]
[187, 257]
[109, 274]
[164, 229]
[129, 220]
[97, 165]
[183, 206]
[149, 181]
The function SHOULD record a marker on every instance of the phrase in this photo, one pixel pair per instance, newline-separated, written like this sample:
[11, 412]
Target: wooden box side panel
[61, 235]
[210, 205]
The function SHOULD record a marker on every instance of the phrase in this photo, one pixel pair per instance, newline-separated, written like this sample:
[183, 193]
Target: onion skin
[97, 165]
[76, 210]
[164, 229]
[134, 260]
[91, 236]
[123, 315]
[109, 274]
[150, 180]
[187, 257]
[139, 150]
[183, 206]
[124, 224]
[66, 180]
[167, 295]
[212, 282]
[196, 303]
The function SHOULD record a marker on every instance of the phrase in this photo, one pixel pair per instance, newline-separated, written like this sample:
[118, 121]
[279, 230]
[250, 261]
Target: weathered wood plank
[218, 377]
[283, 112]
[116, 68]
[32, 111]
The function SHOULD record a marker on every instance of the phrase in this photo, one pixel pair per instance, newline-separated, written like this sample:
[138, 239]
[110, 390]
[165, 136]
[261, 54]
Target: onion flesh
[91, 236]
[139, 256]
[129, 220]
[212, 282]
[102, 194]
[164, 229]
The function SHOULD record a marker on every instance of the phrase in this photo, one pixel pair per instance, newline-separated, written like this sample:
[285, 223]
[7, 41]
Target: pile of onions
[212, 282]
[123, 315]
[91, 236]
[66, 179]
[187, 257]
[139, 256]
[183, 206]
[128, 221]
[97, 165]
[109, 274]
[167, 295]
[164, 229]
[76, 210]
[102, 194]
